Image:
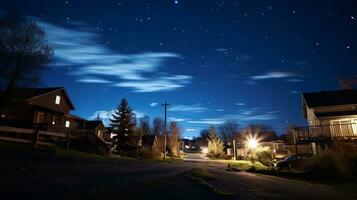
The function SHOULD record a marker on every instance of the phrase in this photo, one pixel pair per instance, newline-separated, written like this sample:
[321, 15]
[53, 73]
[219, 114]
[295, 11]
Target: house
[109, 136]
[330, 114]
[277, 147]
[149, 142]
[43, 108]
[97, 127]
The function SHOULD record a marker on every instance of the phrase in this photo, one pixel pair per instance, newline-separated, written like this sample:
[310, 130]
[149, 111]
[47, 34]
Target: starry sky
[213, 61]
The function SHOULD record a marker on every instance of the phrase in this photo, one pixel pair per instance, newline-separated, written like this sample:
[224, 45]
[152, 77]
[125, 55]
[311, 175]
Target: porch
[326, 132]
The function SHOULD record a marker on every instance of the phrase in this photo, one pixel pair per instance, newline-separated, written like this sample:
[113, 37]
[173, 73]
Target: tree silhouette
[158, 125]
[23, 52]
[144, 125]
[229, 131]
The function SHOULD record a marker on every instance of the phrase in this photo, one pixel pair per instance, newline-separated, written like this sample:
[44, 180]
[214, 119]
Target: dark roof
[91, 125]
[29, 93]
[331, 98]
[74, 117]
[341, 113]
[148, 140]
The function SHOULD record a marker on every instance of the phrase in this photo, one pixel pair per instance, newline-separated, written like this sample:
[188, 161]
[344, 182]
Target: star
[176, 2]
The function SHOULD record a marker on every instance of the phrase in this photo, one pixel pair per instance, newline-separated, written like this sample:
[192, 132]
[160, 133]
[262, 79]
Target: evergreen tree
[123, 119]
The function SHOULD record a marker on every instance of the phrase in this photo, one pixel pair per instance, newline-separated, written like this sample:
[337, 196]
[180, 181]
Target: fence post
[37, 135]
[68, 141]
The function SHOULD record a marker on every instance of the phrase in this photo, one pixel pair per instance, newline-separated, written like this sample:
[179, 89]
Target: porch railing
[327, 131]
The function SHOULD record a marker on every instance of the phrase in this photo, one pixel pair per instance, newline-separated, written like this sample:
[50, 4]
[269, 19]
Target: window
[40, 117]
[58, 100]
[67, 124]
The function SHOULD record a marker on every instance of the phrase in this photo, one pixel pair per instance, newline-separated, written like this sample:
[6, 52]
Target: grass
[27, 151]
[245, 165]
[202, 176]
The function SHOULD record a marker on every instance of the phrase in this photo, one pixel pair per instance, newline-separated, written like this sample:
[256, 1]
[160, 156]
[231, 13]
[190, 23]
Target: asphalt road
[29, 179]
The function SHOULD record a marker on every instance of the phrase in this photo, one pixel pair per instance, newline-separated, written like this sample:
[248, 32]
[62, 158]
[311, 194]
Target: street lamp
[252, 143]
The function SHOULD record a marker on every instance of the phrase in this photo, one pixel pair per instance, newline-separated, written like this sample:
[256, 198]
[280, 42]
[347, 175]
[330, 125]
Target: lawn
[246, 165]
[28, 151]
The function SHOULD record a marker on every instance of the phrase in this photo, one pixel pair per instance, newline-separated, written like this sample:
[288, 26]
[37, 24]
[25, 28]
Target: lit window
[58, 100]
[67, 124]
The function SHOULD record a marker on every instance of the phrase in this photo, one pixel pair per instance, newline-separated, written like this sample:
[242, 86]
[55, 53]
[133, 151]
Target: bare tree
[157, 126]
[228, 131]
[262, 132]
[174, 139]
[144, 125]
[202, 141]
[23, 52]
[215, 144]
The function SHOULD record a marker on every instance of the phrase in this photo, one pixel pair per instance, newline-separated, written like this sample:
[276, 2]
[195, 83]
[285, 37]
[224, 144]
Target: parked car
[294, 162]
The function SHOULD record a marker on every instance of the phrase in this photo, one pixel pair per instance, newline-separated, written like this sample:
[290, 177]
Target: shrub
[264, 156]
[338, 162]
[215, 145]
[147, 153]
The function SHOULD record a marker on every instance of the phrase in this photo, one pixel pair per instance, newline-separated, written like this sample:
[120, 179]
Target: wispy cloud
[273, 75]
[188, 108]
[154, 104]
[176, 119]
[81, 49]
[221, 49]
[93, 80]
[240, 104]
[212, 121]
[245, 117]
[190, 129]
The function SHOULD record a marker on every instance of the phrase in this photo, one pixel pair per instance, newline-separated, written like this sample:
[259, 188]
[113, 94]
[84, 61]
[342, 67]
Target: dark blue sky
[212, 60]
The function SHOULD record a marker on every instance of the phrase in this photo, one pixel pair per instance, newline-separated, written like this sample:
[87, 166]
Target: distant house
[109, 136]
[277, 147]
[149, 142]
[44, 108]
[97, 127]
[330, 114]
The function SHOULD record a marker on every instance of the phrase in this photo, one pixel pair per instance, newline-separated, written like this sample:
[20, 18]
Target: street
[126, 179]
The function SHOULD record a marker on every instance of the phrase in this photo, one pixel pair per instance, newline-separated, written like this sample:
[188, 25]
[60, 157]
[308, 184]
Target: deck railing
[327, 131]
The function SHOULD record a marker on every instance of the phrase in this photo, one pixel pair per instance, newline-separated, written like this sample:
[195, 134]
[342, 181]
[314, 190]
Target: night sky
[212, 60]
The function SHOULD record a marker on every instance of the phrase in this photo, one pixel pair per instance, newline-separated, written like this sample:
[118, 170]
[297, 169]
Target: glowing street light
[252, 143]
[205, 150]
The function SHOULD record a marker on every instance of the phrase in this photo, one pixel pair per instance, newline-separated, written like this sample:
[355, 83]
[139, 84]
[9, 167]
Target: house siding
[48, 101]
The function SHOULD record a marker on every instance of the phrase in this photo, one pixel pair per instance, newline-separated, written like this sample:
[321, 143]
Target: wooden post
[68, 141]
[37, 135]
[295, 142]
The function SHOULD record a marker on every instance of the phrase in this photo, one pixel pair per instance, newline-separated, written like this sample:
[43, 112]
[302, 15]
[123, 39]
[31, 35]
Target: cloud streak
[81, 49]
[188, 108]
[272, 75]
[244, 117]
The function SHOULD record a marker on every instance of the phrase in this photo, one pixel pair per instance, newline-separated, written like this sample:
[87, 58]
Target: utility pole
[165, 131]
